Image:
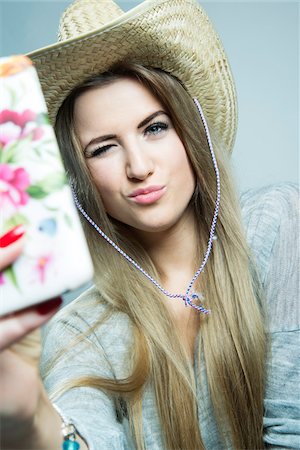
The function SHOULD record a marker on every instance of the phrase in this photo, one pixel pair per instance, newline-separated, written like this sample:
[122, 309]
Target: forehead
[122, 99]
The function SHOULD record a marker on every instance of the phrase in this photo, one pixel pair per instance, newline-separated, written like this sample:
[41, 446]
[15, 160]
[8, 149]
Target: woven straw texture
[174, 35]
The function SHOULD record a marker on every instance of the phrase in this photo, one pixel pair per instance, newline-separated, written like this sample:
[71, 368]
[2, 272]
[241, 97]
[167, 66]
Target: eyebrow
[149, 118]
[106, 137]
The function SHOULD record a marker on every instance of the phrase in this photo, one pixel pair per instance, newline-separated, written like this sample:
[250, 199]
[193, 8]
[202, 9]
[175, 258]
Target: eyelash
[150, 130]
[100, 150]
[162, 125]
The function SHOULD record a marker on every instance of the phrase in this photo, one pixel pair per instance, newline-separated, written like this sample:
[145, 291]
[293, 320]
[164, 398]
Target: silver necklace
[189, 297]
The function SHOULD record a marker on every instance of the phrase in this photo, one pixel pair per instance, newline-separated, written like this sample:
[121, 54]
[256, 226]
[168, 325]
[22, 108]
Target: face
[135, 156]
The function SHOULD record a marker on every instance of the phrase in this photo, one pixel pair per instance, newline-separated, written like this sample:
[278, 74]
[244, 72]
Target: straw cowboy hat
[174, 35]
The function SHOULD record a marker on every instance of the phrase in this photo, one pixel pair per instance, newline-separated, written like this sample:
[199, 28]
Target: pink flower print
[13, 185]
[42, 265]
[18, 125]
[17, 118]
[37, 133]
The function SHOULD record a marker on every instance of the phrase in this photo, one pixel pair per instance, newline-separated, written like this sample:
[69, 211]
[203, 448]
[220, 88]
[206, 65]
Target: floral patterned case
[34, 192]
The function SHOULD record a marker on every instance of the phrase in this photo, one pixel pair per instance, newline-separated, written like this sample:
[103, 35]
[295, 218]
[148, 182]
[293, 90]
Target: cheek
[104, 181]
[182, 167]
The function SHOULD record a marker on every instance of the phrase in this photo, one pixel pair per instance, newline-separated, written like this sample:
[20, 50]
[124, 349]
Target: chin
[145, 226]
[149, 223]
[155, 226]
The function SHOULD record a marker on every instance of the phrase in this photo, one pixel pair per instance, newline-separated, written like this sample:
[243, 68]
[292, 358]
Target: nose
[139, 164]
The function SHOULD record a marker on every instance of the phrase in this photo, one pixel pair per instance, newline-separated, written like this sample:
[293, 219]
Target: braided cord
[187, 297]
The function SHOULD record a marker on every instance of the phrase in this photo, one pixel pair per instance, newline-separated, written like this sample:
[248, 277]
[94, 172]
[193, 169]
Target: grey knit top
[271, 221]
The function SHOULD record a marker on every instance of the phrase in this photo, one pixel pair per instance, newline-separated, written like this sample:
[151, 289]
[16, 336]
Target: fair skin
[130, 144]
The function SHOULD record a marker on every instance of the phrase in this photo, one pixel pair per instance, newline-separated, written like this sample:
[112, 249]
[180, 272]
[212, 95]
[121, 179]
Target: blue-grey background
[262, 42]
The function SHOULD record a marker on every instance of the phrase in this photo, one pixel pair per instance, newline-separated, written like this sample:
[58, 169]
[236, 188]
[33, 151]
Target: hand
[14, 326]
[21, 390]
[11, 246]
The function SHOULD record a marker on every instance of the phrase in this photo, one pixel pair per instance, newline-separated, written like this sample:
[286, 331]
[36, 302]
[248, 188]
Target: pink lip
[147, 195]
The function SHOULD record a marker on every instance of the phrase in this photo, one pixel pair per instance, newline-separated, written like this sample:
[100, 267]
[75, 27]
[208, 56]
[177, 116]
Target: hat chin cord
[190, 298]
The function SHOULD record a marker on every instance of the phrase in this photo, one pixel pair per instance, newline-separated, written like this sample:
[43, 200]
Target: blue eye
[156, 128]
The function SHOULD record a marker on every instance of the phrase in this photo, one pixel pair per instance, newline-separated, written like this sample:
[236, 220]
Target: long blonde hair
[232, 340]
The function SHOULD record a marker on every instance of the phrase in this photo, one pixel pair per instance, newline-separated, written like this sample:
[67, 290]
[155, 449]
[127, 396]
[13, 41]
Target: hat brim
[174, 35]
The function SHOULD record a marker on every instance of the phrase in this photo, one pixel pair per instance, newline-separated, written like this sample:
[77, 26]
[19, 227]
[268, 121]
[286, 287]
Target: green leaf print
[16, 219]
[54, 182]
[10, 273]
[36, 191]
[68, 220]
[47, 185]
[42, 119]
[15, 152]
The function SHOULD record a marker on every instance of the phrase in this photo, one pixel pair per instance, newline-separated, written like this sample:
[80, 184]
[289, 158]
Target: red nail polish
[47, 307]
[12, 236]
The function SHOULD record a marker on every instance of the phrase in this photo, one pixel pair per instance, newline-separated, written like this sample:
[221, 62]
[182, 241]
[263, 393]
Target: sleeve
[91, 410]
[281, 282]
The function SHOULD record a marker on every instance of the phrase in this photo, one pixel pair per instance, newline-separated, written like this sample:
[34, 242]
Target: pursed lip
[147, 196]
[145, 191]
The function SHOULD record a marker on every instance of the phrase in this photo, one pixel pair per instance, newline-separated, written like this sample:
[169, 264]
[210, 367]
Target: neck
[173, 252]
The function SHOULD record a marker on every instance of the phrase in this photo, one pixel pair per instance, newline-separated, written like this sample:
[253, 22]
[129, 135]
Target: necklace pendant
[189, 301]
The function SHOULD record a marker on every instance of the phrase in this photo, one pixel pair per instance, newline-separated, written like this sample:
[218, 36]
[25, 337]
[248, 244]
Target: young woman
[170, 348]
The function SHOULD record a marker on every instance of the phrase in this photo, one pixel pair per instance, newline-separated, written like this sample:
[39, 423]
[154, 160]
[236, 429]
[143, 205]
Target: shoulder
[88, 325]
[90, 309]
[271, 218]
[269, 206]
[260, 200]
[267, 213]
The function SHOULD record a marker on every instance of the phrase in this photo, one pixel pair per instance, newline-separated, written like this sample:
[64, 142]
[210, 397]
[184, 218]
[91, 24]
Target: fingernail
[12, 236]
[47, 307]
